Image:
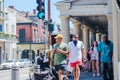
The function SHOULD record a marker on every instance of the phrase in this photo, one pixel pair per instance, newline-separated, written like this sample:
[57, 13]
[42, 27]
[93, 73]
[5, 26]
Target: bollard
[37, 69]
[15, 73]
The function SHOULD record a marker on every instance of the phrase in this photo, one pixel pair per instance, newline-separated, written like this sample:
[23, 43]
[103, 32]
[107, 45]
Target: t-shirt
[94, 53]
[75, 51]
[106, 51]
[60, 58]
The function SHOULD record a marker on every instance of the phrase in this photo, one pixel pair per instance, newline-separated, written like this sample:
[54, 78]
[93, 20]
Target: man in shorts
[76, 50]
[60, 52]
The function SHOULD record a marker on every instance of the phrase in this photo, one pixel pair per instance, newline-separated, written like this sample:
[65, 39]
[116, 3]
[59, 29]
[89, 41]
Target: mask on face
[75, 42]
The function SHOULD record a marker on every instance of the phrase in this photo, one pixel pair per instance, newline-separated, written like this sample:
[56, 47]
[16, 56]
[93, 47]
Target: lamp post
[30, 51]
[44, 38]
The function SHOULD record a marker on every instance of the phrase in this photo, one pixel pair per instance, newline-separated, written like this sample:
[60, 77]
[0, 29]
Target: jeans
[107, 70]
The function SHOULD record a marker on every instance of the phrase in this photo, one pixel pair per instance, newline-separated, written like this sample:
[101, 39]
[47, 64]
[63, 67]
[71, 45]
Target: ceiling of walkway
[97, 23]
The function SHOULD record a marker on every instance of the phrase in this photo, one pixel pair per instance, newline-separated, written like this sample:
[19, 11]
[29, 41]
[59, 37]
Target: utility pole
[49, 10]
[49, 18]
[30, 51]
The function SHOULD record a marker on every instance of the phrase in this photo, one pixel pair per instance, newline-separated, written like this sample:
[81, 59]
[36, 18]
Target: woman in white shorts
[95, 58]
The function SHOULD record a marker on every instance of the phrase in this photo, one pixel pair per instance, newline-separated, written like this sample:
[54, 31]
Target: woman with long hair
[95, 58]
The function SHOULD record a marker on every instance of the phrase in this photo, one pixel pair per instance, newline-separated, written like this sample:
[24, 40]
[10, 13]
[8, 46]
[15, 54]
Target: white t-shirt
[75, 51]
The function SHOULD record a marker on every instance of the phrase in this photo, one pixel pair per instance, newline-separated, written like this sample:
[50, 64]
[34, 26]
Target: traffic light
[50, 27]
[118, 2]
[41, 9]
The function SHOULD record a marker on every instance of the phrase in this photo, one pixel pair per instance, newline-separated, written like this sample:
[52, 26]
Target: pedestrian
[77, 53]
[38, 59]
[95, 59]
[60, 51]
[105, 49]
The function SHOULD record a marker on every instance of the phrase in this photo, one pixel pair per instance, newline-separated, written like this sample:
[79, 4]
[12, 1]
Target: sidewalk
[88, 76]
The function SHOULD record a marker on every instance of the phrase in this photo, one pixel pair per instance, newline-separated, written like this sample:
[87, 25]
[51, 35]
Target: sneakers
[98, 74]
[93, 74]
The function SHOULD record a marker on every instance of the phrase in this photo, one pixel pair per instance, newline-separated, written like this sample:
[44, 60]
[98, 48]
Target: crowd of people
[72, 57]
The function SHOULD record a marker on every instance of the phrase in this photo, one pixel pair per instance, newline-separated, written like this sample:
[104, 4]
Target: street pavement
[7, 74]
[87, 76]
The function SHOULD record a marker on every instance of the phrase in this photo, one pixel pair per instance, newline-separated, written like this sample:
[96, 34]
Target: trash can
[15, 73]
[36, 69]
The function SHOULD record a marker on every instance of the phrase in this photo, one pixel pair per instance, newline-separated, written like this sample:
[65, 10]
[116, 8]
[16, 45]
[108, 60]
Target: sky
[29, 5]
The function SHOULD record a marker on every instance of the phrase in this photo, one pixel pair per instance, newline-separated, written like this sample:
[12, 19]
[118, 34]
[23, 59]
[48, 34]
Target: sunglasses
[75, 37]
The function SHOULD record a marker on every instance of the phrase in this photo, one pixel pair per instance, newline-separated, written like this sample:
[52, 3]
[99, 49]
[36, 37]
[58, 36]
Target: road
[23, 74]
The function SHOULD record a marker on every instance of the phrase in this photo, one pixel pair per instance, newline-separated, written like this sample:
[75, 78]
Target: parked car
[25, 63]
[9, 63]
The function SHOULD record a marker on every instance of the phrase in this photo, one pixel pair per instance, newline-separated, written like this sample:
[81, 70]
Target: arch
[25, 54]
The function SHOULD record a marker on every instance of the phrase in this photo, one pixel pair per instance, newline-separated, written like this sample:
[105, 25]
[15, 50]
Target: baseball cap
[59, 36]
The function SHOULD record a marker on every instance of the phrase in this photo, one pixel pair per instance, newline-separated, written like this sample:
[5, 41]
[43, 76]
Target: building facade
[10, 51]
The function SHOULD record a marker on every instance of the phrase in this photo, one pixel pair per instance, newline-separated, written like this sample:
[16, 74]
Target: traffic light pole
[49, 10]
[49, 41]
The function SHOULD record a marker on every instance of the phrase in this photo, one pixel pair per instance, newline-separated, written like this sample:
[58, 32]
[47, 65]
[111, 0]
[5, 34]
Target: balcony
[8, 37]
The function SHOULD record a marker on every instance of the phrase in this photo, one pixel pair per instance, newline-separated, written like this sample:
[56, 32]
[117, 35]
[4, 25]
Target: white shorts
[69, 68]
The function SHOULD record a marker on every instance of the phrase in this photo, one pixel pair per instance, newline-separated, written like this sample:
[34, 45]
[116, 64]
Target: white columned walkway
[65, 28]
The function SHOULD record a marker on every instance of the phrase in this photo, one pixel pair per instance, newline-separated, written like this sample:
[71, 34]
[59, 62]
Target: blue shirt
[106, 51]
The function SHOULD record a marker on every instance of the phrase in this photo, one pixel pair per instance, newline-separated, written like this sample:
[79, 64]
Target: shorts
[60, 67]
[74, 64]
[69, 68]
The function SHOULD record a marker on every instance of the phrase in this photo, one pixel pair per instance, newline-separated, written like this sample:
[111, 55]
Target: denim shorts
[60, 67]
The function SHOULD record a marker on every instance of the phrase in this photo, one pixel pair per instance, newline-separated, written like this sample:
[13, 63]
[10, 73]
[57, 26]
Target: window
[1, 27]
[22, 35]
[7, 28]
[13, 30]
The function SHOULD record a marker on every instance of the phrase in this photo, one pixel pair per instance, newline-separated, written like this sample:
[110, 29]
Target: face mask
[75, 42]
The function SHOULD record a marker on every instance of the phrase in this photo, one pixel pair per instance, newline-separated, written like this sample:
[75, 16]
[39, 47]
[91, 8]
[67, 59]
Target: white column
[77, 29]
[91, 37]
[115, 41]
[65, 28]
[85, 37]
[98, 37]
[110, 27]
